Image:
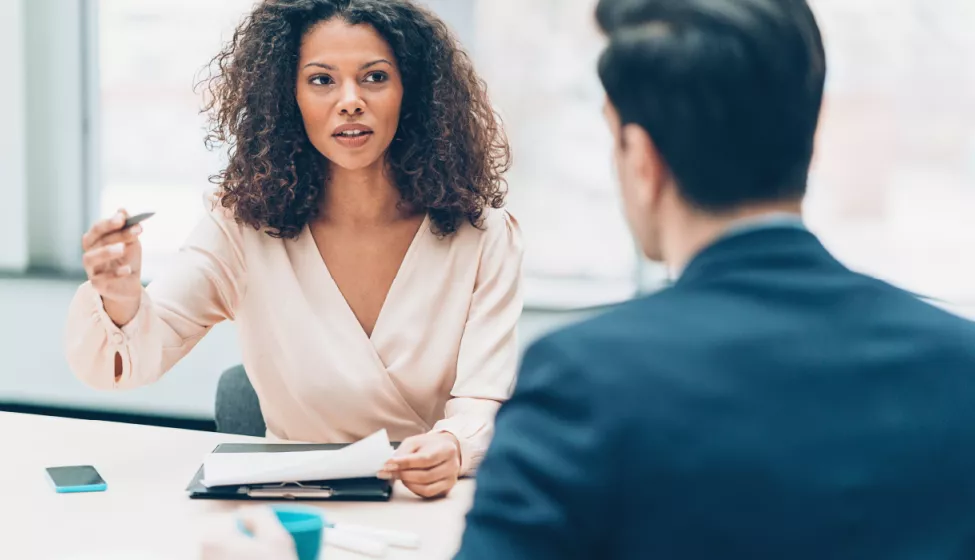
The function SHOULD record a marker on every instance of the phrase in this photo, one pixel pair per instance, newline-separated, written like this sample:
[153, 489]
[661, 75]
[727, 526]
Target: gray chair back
[237, 409]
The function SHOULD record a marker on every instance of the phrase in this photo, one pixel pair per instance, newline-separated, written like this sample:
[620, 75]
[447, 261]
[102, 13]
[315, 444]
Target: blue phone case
[96, 485]
[79, 489]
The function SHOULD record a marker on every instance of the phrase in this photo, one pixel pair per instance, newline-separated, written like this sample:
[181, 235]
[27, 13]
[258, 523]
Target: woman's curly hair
[448, 156]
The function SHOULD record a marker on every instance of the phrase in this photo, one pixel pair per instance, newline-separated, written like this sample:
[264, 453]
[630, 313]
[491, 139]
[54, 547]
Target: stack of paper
[363, 459]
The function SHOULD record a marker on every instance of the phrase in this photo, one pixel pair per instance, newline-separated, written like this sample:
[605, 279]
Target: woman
[356, 238]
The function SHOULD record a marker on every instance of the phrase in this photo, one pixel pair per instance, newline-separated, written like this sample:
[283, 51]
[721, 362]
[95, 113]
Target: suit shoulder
[636, 326]
[645, 311]
[923, 311]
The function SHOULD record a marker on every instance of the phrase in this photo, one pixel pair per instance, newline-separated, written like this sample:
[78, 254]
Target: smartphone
[136, 219]
[71, 480]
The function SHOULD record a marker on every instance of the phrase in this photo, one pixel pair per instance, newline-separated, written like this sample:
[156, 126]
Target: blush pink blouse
[442, 356]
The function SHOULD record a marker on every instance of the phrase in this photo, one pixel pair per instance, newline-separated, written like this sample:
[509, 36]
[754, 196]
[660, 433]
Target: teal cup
[305, 525]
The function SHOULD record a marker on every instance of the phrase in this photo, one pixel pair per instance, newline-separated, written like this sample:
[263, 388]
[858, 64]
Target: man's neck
[698, 231]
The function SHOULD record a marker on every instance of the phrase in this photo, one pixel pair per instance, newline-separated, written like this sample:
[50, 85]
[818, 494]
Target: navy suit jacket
[772, 404]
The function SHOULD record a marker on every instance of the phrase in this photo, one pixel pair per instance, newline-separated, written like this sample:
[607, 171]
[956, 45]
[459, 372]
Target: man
[772, 404]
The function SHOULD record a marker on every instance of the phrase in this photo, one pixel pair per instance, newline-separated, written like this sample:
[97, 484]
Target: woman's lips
[356, 141]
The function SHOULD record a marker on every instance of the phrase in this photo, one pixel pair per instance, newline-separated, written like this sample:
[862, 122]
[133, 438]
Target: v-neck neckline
[390, 293]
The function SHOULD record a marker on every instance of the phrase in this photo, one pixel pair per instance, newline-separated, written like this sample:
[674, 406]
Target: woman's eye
[321, 81]
[377, 77]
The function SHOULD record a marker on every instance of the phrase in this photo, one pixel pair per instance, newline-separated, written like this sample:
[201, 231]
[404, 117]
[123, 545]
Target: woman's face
[349, 92]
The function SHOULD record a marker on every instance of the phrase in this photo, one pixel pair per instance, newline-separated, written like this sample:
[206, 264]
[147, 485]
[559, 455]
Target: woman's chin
[353, 162]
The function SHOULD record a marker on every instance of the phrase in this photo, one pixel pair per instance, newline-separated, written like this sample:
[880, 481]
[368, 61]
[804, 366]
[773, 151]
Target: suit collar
[771, 220]
[781, 245]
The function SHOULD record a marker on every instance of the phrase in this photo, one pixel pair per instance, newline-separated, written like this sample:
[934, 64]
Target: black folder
[358, 489]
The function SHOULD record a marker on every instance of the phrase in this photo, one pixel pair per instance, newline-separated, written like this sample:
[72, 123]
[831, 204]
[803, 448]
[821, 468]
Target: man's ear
[647, 168]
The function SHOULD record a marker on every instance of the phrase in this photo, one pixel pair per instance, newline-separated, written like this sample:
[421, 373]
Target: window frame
[13, 156]
[58, 133]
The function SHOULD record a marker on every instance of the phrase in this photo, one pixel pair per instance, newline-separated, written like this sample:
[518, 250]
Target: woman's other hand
[428, 464]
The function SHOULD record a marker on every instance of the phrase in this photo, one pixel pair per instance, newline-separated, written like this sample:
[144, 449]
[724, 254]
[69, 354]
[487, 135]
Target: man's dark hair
[729, 90]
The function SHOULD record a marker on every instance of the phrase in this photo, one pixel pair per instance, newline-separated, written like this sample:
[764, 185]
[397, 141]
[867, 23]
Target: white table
[145, 510]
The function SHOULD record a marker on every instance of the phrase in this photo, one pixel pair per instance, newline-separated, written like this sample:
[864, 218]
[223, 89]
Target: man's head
[713, 103]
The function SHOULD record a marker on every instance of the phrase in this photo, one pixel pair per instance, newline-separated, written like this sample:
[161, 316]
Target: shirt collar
[771, 220]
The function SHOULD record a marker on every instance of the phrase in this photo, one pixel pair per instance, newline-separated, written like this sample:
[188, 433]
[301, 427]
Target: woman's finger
[112, 282]
[126, 236]
[423, 459]
[435, 490]
[103, 228]
[118, 268]
[429, 454]
[97, 258]
[409, 446]
[443, 471]
[125, 265]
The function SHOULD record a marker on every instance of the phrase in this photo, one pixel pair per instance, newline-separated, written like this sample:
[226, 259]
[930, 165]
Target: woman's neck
[361, 197]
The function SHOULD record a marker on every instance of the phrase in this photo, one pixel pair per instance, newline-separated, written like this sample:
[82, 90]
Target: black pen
[136, 219]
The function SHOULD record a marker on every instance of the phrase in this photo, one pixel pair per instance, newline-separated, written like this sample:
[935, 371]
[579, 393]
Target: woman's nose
[351, 102]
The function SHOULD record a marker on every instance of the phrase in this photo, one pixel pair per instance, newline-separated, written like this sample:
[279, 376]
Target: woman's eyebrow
[333, 69]
[375, 62]
[320, 65]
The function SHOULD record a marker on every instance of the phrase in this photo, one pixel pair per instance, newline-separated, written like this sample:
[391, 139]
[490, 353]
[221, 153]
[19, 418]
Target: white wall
[13, 177]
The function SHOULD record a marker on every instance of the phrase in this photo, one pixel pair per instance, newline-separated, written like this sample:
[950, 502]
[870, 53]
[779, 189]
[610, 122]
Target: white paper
[362, 459]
